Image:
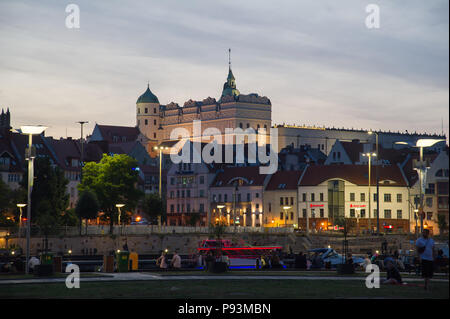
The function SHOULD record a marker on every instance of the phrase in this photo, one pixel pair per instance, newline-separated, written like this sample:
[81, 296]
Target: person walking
[161, 261]
[425, 248]
[175, 263]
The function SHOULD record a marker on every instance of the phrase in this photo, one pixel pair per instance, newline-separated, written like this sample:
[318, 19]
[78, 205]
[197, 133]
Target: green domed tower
[148, 117]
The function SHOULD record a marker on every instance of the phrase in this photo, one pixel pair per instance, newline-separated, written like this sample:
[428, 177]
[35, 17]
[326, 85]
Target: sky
[315, 60]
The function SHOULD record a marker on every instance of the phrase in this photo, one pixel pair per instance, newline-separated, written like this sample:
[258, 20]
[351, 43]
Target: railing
[125, 230]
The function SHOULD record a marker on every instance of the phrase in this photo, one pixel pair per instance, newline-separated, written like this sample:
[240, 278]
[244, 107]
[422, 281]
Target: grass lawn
[222, 289]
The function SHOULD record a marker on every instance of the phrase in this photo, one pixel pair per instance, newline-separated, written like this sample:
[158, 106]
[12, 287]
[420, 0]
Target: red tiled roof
[356, 174]
[109, 131]
[250, 174]
[284, 180]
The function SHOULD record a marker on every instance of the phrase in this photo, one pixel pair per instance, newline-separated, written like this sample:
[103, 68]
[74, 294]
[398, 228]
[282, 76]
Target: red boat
[239, 255]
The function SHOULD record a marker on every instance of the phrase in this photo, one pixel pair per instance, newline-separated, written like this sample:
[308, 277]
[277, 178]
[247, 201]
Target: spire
[229, 59]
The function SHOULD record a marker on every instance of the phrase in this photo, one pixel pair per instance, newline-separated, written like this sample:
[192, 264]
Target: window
[292, 216]
[146, 110]
[387, 198]
[257, 195]
[322, 213]
[363, 213]
[257, 206]
[249, 197]
[248, 125]
[202, 193]
[312, 197]
[429, 215]
[431, 189]
[304, 213]
[214, 198]
[154, 135]
[442, 188]
[178, 208]
[172, 194]
[172, 208]
[225, 197]
[399, 214]
[188, 208]
[182, 194]
[240, 125]
[313, 213]
[352, 212]
[281, 215]
[429, 201]
[154, 110]
[188, 193]
[202, 179]
[270, 207]
[375, 197]
[154, 122]
[363, 197]
[286, 201]
[146, 122]
[321, 197]
[202, 208]
[281, 200]
[178, 194]
[352, 197]
[304, 197]
[387, 214]
[292, 201]
[399, 198]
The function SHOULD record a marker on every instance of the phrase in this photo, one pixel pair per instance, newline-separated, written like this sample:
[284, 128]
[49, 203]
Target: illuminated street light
[370, 155]
[30, 154]
[160, 149]
[422, 169]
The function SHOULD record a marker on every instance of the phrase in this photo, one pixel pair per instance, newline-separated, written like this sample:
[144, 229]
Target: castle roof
[147, 97]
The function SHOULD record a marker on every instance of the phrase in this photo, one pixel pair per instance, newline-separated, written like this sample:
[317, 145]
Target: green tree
[153, 207]
[87, 206]
[113, 180]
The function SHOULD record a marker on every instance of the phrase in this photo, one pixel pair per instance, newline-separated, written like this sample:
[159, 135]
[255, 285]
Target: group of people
[162, 261]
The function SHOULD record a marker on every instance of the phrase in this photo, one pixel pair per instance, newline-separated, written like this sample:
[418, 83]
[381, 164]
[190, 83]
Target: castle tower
[148, 119]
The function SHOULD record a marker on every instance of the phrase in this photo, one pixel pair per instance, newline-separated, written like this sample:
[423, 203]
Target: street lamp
[20, 217]
[30, 154]
[160, 149]
[370, 155]
[119, 206]
[422, 169]
[378, 181]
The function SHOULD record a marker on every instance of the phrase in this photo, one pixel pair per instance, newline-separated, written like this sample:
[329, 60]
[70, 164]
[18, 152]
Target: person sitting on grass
[392, 273]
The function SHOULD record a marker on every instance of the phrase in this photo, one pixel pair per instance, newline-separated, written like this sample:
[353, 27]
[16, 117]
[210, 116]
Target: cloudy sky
[316, 60]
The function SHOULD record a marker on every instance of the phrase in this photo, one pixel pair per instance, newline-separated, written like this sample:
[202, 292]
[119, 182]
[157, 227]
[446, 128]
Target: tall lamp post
[30, 154]
[81, 160]
[422, 169]
[370, 155]
[378, 181]
[160, 149]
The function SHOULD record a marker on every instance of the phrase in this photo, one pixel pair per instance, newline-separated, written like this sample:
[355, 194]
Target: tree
[87, 206]
[113, 180]
[153, 207]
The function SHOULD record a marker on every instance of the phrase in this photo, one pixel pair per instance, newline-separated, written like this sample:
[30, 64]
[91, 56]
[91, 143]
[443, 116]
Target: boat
[240, 256]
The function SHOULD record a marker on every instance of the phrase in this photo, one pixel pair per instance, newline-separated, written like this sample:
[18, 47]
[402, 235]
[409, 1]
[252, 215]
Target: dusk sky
[316, 60]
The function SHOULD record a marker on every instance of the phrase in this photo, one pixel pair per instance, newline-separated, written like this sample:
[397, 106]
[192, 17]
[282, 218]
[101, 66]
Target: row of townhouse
[316, 194]
[66, 154]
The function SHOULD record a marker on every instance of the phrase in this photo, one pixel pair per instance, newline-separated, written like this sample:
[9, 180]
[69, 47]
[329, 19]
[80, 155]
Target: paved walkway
[133, 276]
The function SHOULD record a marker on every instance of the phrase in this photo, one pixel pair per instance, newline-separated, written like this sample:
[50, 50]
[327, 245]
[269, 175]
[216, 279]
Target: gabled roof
[355, 174]
[284, 180]
[109, 132]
